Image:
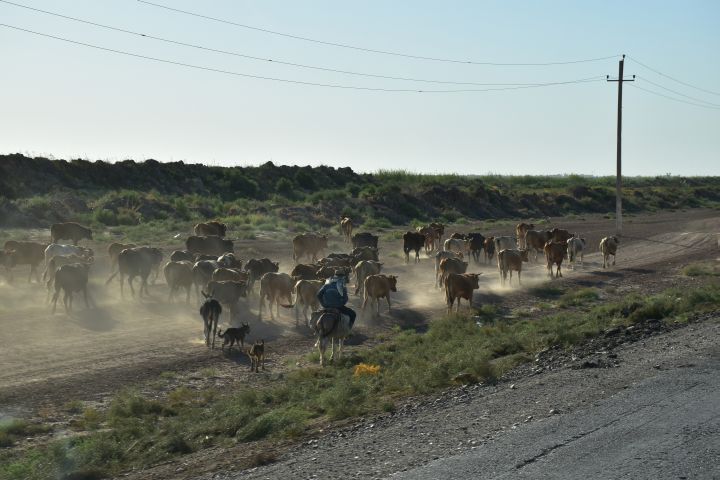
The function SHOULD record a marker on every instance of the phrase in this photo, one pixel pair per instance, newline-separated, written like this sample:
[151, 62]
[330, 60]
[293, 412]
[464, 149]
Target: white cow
[505, 243]
[55, 249]
[456, 245]
[608, 246]
[576, 247]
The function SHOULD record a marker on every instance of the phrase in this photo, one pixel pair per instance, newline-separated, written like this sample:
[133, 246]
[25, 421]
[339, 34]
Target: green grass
[701, 270]
[138, 432]
[575, 298]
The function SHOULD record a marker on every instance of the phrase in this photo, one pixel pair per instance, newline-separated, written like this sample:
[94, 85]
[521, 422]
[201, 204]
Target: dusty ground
[49, 360]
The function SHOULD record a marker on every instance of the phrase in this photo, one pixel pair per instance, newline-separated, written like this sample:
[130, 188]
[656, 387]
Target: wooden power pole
[618, 180]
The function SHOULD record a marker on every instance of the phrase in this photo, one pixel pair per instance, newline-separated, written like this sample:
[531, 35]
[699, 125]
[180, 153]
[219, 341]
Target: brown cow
[560, 235]
[555, 252]
[489, 248]
[209, 245]
[274, 287]
[439, 231]
[233, 274]
[431, 238]
[232, 294]
[377, 287]
[446, 263]
[210, 228]
[27, 253]
[134, 262]
[71, 278]
[7, 260]
[178, 275]
[70, 230]
[256, 268]
[364, 239]
[308, 244]
[114, 250]
[305, 271]
[535, 240]
[363, 270]
[458, 286]
[57, 262]
[346, 227]
[520, 230]
[608, 246]
[306, 297]
[510, 260]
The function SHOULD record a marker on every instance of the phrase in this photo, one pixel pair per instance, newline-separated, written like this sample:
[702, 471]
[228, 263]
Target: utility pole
[618, 180]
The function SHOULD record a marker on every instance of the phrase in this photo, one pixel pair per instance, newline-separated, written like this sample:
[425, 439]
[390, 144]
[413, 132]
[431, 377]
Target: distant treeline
[37, 191]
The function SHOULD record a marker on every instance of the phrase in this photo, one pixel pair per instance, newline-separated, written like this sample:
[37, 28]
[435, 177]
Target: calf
[71, 278]
[458, 286]
[608, 246]
[377, 287]
[555, 252]
[509, 261]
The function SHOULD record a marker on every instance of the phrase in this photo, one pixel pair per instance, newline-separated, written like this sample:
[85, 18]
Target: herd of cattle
[210, 267]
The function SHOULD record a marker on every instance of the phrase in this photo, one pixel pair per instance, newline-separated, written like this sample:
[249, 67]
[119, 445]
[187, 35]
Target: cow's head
[525, 255]
[392, 280]
[474, 280]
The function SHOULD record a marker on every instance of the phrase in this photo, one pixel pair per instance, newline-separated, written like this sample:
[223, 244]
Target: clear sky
[72, 101]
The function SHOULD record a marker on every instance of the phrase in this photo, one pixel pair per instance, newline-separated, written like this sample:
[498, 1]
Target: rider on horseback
[334, 295]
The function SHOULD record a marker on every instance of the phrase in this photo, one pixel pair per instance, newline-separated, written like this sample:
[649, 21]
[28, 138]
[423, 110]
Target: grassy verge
[137, 432]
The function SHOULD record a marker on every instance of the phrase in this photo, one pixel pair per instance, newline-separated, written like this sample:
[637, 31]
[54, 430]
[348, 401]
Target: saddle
[325, 320]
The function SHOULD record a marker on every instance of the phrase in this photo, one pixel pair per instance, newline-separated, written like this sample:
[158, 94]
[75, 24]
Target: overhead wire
[673, 98]
[252, 57]
[299, 82]
[700, 100]
[671, 78]
[371, 50]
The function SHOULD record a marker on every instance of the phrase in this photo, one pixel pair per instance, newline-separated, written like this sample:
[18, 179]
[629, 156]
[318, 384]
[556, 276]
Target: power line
[370, 50]
[299, 82]
[242, 55]
[681, 94]
[672, 78]
[673, 98]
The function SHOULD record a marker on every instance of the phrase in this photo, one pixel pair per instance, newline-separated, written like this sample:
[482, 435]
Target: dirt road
[90, 354]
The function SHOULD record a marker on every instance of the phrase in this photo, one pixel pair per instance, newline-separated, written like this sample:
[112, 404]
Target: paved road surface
[666, 427]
